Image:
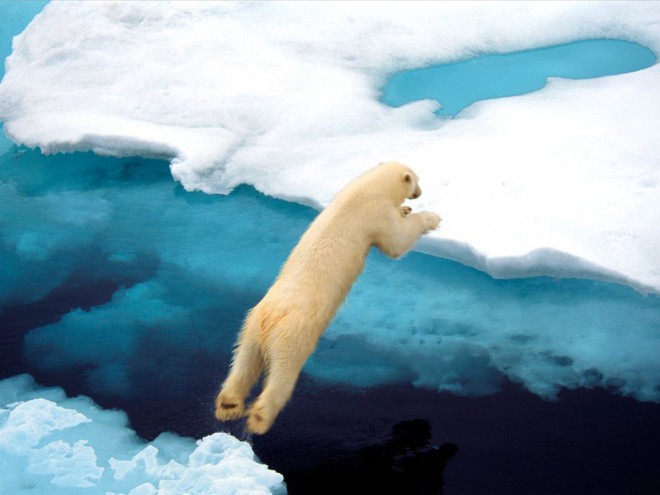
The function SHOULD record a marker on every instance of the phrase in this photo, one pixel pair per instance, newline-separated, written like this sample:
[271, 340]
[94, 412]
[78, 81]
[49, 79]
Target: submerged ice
[184, 267]
[53, 444]
[285, 97]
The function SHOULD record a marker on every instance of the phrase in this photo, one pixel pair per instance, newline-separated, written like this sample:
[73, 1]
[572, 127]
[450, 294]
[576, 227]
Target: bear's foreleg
[398, 240]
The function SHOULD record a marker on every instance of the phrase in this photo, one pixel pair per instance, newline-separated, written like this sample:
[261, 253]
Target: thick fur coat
[282, 330]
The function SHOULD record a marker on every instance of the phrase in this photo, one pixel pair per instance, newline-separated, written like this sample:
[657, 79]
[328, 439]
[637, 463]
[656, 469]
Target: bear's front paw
[228, 407]
[405, 210]
[259, 419]
[432, 220]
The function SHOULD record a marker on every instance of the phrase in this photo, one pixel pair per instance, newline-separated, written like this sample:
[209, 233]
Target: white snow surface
[54, 444]
[564, 181]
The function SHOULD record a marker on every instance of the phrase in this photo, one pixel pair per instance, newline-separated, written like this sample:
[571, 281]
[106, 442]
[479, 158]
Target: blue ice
[459, 84]
[187, 266]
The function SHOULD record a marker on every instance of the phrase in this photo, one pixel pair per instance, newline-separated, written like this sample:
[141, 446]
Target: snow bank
[284, 96]
[52, 444]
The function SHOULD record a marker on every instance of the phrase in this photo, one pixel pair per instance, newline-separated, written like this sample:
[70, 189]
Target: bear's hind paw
[258, 421]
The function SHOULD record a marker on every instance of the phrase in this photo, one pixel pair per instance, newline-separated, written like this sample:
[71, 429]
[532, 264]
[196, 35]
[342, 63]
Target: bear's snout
[416, 193]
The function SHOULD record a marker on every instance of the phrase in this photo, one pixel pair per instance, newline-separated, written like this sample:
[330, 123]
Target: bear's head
[403, 181]
[411, 179]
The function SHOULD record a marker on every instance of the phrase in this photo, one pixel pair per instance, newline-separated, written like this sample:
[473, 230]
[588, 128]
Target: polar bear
[282, 330]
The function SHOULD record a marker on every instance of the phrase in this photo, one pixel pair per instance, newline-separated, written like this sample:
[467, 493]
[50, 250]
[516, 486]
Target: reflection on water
[404, 463]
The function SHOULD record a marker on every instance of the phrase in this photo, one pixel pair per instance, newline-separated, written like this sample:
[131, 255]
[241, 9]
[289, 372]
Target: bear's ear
[407, 177]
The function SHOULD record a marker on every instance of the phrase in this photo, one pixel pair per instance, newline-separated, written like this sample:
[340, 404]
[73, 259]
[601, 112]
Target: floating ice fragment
[70, 465]
[56, 447]
[29, 422]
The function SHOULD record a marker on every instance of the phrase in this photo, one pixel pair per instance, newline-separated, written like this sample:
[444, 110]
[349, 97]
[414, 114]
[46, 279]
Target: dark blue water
[458, 85]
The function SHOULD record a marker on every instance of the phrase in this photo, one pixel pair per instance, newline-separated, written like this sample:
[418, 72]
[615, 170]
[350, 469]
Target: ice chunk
[56, 444]
[28, 423]
[69, 465]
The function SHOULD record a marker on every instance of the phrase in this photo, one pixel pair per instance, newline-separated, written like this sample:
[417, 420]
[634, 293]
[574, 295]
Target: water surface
[458, 85]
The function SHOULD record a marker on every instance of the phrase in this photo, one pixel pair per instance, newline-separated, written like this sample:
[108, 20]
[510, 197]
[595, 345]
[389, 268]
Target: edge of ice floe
[543, 261]
[539, 262]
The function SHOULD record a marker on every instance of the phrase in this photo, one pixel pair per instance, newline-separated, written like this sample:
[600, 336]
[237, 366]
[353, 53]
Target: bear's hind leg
[245, 370]
[281, 377]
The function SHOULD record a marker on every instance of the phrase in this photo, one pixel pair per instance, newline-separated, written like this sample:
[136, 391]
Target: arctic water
[457, 85]
[117, 284]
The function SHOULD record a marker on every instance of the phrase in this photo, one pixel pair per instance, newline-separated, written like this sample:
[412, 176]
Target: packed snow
[285, 96]
[54, 444]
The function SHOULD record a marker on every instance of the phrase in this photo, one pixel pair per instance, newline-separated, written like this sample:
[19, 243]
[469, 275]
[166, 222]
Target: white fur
[282, 330]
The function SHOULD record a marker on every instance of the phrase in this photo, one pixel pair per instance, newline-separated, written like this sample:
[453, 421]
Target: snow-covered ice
[54, 444]
[285, 96]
